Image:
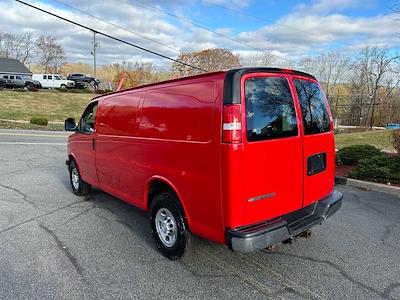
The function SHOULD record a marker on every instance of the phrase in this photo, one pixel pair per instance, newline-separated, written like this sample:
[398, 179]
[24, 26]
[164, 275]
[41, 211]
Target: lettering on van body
[266, 196]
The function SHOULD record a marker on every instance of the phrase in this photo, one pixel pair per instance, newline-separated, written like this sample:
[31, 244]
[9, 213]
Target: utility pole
[95, 45]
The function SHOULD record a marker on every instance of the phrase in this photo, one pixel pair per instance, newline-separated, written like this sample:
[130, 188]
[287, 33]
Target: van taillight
[232, 125]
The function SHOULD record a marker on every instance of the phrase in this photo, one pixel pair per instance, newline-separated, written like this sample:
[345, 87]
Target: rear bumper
[261, 235]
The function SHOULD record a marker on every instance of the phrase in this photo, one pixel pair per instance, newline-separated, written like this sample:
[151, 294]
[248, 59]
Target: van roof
[231, 76]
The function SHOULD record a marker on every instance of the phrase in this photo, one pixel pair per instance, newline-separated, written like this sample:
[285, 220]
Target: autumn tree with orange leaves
[208, 60]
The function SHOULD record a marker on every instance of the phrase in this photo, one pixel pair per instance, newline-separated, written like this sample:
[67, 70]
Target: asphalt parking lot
[54, 244]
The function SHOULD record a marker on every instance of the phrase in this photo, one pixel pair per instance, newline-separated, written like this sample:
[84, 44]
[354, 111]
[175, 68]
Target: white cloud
[329, 6]
[301, 32]
[235, 4]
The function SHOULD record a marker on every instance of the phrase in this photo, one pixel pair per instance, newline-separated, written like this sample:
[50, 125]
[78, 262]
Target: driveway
[54, 244]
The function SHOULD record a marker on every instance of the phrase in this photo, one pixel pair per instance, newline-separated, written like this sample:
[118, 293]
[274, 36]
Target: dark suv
[82, 81]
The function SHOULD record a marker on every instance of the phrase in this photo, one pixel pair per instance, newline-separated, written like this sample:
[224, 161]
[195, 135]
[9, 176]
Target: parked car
[53, 81]
[29, 82]
[244, 157]
[5, 83]
[20, 81]
[83, 81]
[393, 126]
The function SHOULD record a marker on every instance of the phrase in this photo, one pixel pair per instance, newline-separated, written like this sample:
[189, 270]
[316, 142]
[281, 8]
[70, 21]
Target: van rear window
[270, 112]
[313, 107]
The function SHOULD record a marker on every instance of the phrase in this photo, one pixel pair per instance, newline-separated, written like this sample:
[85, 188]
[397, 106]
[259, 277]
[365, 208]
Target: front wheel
[28, 85]
[79, 187]
[169, 228]
[63, 86]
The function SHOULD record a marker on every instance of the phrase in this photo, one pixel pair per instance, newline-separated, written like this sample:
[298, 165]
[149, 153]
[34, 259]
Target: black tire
[181, 246]
[29, 85]
[79, 187]
[63, 86]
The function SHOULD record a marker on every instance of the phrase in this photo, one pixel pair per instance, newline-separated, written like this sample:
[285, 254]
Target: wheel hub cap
[166, 227]
[75, 178]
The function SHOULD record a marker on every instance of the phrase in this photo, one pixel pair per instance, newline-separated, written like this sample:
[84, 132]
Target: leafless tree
[19, 46]
[258, 59]
[332, 69]
[27, 47]
[373, 70]
[50, 54]
[9, 45]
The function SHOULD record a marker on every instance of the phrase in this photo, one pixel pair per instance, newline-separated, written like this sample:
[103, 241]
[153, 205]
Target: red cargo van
[243, 157]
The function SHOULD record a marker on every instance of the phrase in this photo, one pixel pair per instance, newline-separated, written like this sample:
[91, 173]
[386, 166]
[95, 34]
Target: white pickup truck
[53, 81]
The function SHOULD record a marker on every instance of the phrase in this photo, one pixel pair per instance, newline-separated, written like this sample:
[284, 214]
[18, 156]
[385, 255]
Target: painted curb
[367, 185]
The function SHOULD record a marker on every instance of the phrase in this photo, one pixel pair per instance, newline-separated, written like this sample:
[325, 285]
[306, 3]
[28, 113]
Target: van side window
[5, 76]
[313, 107]
[270, 112]
[44, 76]
[86, 125]
[49, 76]
[11, 77]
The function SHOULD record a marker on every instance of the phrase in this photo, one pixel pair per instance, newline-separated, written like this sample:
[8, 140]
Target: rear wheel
[169, 227]
[79, 187]
[63, 86]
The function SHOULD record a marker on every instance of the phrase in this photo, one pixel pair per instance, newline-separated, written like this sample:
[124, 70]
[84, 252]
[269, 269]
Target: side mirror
[69, 124]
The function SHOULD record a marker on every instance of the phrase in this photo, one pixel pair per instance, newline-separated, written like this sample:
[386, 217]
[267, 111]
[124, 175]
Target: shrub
[380, 168]
[338, 160]
[396, 140]
[101, 92]
[32, 88]
[39, 121]
[77, 91]
[351, 155]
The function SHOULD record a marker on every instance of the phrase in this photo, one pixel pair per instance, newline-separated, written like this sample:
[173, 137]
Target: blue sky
[289, 30]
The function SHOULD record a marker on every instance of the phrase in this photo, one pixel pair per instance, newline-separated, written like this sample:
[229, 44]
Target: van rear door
[318, 140]
[273, 161]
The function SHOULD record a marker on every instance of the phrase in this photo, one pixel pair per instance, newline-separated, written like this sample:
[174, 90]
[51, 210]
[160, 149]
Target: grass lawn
[381, 139]
[28, 126]
[53, 105]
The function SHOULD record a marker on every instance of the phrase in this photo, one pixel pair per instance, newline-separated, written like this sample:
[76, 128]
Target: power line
[197, 24]
[110, 36]
[116, 25]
